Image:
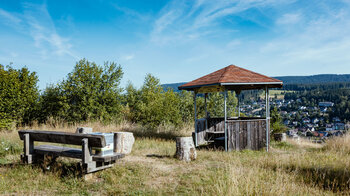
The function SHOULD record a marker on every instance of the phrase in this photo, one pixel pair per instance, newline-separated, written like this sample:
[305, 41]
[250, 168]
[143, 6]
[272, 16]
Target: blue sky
[176, 41]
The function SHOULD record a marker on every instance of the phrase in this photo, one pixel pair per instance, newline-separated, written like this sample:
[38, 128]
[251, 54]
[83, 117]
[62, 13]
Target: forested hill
[315, 79]
[298, 80]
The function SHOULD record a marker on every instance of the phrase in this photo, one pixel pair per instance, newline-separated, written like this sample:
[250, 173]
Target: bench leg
[28, 149]
[88, 164]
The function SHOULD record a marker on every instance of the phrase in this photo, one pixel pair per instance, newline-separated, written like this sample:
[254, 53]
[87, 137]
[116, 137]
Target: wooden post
[28, 149]
[225, 123]
[206, 110]
[195, 120]
[267, 117]
[239, 106]
[88, 164]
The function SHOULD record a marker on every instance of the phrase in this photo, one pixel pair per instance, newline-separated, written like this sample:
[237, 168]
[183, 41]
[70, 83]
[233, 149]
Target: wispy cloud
[36, 20]
[132, 13]
[290, 18]
[9, 18]
[128, 57]
[184, 21]
[44, 32]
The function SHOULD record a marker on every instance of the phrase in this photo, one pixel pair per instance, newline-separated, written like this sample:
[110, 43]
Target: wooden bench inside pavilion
[235, 133]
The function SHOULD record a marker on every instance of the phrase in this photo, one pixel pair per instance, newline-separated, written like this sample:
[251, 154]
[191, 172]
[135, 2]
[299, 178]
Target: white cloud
[128, 57]
[10, 18]
[180, 20]
[37, 21]
[289, 19]
[44, 33]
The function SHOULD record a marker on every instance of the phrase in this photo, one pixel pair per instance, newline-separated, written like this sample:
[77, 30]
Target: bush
[90, 92]
[276, 122]
[152, 106]
[18, 94]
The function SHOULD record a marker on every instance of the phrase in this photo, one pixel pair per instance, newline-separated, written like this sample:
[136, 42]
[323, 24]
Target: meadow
[290, 168]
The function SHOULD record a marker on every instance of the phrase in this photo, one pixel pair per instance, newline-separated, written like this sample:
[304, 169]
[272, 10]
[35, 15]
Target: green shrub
[276, 122]
[18, 94]
[90, 92]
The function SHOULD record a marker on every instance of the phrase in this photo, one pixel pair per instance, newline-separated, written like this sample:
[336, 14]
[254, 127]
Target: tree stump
[123, 142]
[84, 130]
[185, 149]
[280, 137]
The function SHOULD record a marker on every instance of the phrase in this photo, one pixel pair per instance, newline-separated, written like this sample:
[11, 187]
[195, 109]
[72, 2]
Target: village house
[326, 104]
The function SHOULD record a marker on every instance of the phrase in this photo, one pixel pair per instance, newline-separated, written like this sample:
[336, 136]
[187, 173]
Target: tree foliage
[18, 94]
[90, 92]
[151, 105]
[276, 122]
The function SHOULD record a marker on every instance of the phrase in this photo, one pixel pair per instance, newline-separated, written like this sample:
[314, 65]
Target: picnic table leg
[28, 149]
[88, 164]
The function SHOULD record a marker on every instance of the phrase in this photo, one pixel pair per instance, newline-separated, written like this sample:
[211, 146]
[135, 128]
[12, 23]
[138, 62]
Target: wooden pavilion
[236, 133]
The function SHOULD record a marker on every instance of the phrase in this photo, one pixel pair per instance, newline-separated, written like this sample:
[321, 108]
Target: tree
[18, 94]
[216, 104]
[90, 92]
[276, 122]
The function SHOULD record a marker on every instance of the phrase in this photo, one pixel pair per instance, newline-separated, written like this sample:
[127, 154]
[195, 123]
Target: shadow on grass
[158, 156]
[327, 178]
[64, 169]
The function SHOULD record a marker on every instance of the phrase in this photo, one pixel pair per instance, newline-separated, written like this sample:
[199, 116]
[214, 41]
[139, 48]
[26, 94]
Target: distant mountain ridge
[313, 79]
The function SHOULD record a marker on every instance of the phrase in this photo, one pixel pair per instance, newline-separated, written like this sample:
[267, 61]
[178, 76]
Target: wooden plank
[240, 136]
[249, 137]
[253, 135]
[245, 141]
[261, 134]
[256, 136]
[59, 151]
[237, 136]
[231, 136]
[201, 131]
[108, 158]
[64, 137]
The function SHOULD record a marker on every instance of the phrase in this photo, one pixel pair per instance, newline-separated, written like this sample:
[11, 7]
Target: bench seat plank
[59, 151]
[108, 158]
[64, 137]
[74, 153]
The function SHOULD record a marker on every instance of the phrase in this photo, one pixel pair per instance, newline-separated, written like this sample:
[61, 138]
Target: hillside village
[302, 120]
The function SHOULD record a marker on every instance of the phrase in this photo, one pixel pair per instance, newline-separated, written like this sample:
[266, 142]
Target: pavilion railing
[243, 132]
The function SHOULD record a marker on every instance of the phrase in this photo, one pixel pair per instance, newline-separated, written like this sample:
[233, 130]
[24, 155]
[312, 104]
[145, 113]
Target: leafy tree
[276, 122]
[216, 104]
[18, 94]
[90, 92]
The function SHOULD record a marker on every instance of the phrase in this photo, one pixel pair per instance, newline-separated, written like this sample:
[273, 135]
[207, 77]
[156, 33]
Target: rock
[123, 142]
[280, 137]
[185, 149]
[84, 130]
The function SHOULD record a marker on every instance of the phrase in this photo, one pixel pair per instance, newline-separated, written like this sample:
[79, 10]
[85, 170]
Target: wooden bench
[90, 162]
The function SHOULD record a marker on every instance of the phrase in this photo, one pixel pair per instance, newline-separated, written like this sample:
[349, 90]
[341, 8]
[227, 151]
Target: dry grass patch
[290, 168]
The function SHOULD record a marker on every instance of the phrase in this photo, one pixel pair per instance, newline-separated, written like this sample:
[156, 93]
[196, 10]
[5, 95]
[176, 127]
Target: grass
[290, 168]
[275, 93]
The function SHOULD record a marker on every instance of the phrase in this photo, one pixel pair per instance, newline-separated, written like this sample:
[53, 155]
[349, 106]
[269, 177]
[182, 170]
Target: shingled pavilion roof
[232, 78]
